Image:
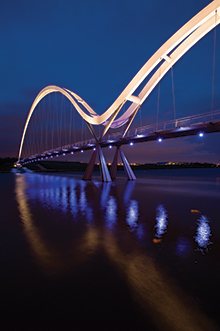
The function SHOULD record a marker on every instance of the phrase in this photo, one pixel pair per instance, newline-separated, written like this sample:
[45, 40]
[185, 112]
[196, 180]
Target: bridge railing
[176, 123]
[188, 121]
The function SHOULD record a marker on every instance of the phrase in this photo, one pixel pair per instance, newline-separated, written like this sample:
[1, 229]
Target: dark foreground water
[79, 255]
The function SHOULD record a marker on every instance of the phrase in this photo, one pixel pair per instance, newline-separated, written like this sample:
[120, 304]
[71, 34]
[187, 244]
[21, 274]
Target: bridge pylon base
[103, 167]
[129, 172]
[90, 167]
[102, 164]
[113, 169]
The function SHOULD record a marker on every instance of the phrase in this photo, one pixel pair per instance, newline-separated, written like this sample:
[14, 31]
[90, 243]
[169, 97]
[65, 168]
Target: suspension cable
[158, 103]
[70, 127]
[82, 131]
[174, 106]
[140, 117]
[213, 69]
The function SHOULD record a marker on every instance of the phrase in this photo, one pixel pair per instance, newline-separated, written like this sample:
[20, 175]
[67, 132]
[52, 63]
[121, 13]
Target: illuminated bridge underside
[162, 60]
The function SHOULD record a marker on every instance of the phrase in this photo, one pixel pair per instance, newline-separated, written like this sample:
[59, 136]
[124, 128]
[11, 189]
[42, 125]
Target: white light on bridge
[201, 134]
[64, 154]
[131, 143]
[160, 140]
[82, 151]
[94, 148]
[110, 146]
[72, 153]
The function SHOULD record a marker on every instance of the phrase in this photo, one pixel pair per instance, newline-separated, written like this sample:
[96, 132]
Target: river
[126, 255]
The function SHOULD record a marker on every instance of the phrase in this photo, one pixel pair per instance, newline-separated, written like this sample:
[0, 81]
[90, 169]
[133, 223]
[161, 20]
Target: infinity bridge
[115, 117]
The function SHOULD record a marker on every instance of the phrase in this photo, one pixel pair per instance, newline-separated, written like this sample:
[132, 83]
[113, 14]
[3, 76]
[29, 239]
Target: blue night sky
[94, 48]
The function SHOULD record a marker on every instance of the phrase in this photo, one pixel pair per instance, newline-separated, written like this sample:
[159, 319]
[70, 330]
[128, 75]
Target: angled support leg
[114, 164]
[103, 166]
[90, 167]
[129, 172]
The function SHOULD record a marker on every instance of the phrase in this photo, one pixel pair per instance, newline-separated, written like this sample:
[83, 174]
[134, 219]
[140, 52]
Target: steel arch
[187, 36]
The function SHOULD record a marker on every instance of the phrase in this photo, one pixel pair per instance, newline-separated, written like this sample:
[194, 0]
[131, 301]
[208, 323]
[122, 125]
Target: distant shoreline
[63, 166]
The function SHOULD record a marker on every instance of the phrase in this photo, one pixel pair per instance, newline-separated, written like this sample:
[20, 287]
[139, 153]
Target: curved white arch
[185, 37]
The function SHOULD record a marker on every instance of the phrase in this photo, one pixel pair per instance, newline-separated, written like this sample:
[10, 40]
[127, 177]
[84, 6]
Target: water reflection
[154, 290]
[111, 212]
[105, 194]
[152, 287]
[46, 255]
[128, 191]
[182, 246]
[140, 233]
[203, 234]
[132, 215]
[85, 207]
[28, 189]
[161, 221]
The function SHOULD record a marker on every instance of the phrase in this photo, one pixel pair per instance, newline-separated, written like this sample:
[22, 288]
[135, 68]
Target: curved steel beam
[185, 37]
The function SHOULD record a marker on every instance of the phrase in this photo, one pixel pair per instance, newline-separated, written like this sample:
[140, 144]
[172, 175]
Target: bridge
[124, 109]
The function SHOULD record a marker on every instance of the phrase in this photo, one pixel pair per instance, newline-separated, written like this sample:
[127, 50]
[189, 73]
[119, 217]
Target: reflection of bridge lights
[111, 212]
[105, 194]
[131, 143]
[203, 233]
[160, 140]
[132, 214]
[201, 134]
[161, 221]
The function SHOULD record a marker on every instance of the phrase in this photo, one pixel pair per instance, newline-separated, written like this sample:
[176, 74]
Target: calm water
[79, 255]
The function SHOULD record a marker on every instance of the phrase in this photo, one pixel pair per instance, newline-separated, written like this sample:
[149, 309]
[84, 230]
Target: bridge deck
[180, 131]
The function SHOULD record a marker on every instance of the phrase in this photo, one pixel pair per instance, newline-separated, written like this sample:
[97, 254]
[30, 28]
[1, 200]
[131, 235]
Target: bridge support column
[129, 172]
[90, 167]
[103, 166]
[114, 164]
